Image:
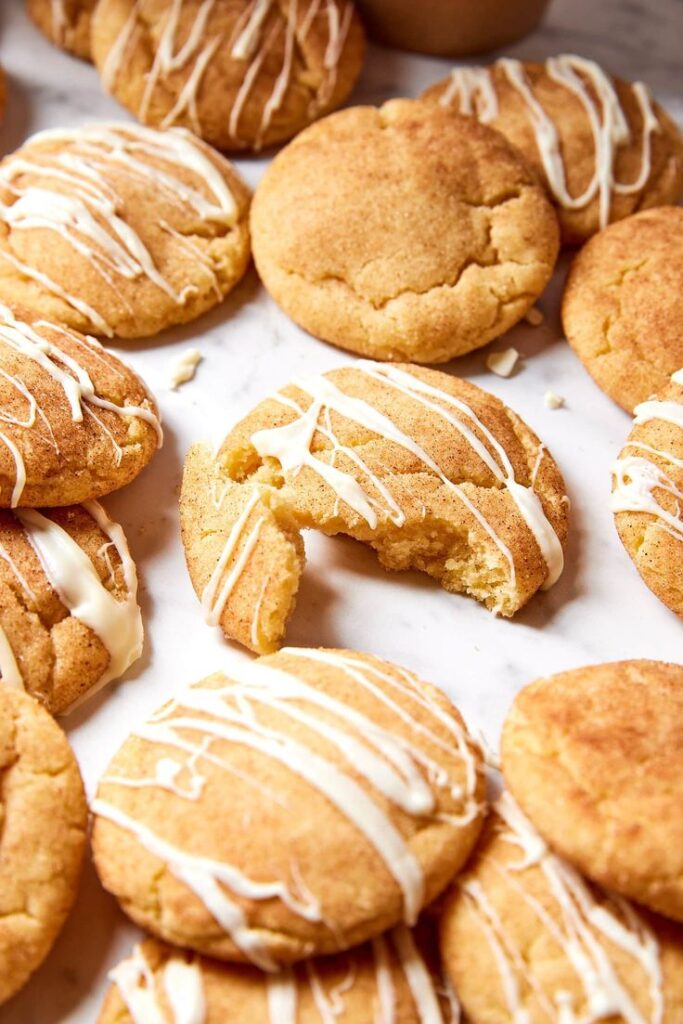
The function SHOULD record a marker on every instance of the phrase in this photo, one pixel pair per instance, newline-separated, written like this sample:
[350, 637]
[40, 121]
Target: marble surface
[600, 610]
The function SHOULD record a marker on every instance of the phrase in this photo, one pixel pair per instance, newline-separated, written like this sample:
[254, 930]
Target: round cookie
[432, 472]
[301, 804]
[389, 979]
[594, 757]
[120, 230]
[75, 422]
[43, 818]
[622, 308]
[69, 617]
[602, 146]
[66, 23]
[648, 491]
[525, 938]
[242, 75]
[404, 232]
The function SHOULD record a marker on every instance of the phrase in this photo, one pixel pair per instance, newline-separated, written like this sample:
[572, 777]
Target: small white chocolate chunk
[502, 363]
[185, 367]
[553, 401]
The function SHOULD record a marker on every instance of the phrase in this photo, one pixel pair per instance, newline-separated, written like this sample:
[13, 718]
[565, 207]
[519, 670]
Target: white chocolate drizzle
[117, 623]
[10, 673]
[473, 89]
[84, 209]
[400, 769]
[581, 928]
[182, 984]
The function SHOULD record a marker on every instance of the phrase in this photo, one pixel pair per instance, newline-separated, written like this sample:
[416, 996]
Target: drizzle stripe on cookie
[182, 983]
[10, 673]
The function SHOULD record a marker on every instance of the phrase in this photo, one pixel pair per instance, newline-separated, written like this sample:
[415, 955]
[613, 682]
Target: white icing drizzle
[392, 765]
[10, 673]
[182, 984]
[81, 165]
[583, 924]
[72, 575]
[216, 594]
[474, 90]
[291, 446]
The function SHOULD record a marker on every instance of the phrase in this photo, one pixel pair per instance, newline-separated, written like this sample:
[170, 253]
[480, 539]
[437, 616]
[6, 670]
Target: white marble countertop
[600, 610]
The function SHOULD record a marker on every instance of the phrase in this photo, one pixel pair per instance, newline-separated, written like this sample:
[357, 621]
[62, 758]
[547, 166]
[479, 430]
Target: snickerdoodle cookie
[242, 74]
[647, 496]
[525, 938]
[622, 308]
[75, 422]
[298, 804]
[594, 756]
[66, 23]
[602, 146]
[432, 472]
[69, 617]
[43, 816]
[387, 980]
[120, 230]
[404, 232]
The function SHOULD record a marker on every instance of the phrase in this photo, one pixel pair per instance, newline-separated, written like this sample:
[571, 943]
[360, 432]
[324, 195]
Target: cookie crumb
[185, 367]
[553, 401]
[534, 317]
[503, 363]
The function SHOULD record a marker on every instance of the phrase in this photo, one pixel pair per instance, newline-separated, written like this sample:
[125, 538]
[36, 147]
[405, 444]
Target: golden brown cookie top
[391, 978]
[43, 817]
[622, 308]
[525, 937]
[299, 804]
[403, 232]
[594, 758]
[118, 229]
[66, 23]
[69, 617]
[602, 146]
[647, 493]
[242, 75]
[75, 421]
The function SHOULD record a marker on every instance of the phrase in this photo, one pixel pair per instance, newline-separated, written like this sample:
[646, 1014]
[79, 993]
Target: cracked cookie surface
[299, 804]
[120, 230]
[66, 23]
[240, 74]
[524, 937]
[403, 232]
[43, 817]
[622, 308]
[593, 757]
[429, 470]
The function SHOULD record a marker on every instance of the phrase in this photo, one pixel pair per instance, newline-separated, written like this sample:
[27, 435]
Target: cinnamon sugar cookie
[594, 757]
[525, 938]
[43, 817]
[404, 232]
[66, 23]
[647, 495]
[120, 230]
[432, 472]
[242, 74]
[622, 308]
[299, 804]
[389, 979]
[602, 146]
[75, 422]
[69, 617]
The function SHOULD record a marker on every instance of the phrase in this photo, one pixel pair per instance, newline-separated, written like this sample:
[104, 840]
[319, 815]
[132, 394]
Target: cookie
[66, 23]
[403, 233]
[603, 147]
[69, 617]
[647, 493]
[43, 817]
[242, 75]
[75, 422]
[297, 805]
[429, 470]
[120, 230]
[622, 308]
[525, 938]
[387, 980]
[593, 756]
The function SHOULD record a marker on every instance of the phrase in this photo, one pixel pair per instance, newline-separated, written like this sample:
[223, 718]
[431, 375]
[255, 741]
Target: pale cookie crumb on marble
[551, 400]
[184, 367]
[503, 363]
[250, 818]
